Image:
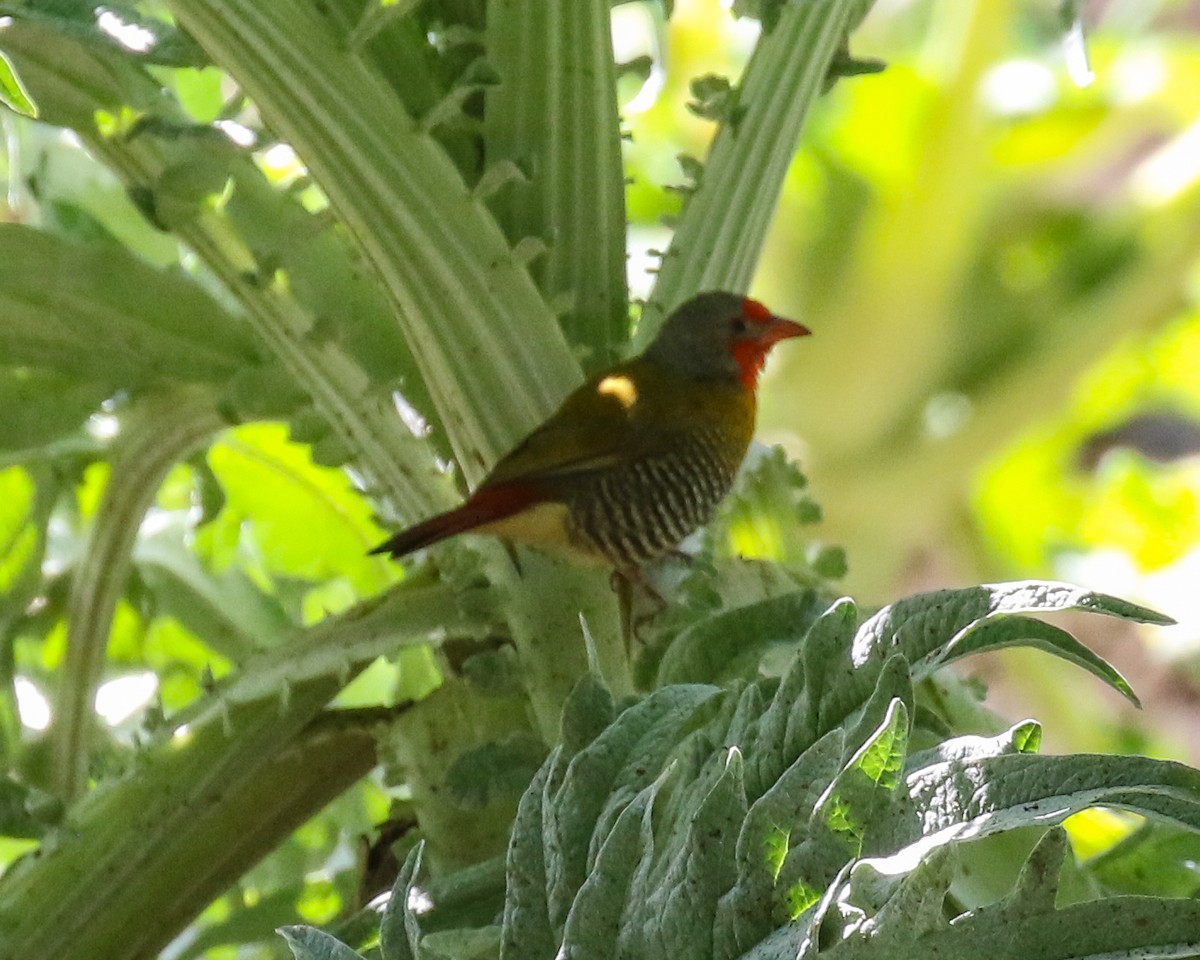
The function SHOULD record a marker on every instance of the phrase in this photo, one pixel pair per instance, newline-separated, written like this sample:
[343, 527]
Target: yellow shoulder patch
[619, 386]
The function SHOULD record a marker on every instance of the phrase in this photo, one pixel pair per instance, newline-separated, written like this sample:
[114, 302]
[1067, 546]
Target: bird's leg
[627, 583]
[511, 549]
[623, 588]
[687, 559]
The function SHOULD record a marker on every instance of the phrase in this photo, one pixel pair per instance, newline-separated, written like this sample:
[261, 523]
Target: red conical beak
[779, 328]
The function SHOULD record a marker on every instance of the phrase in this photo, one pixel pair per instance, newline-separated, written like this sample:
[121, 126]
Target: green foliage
[12, 93]
[796, 813]
[55, 293]
[271, 267]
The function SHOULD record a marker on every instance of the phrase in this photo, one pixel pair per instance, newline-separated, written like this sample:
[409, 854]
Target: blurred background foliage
[996, 244]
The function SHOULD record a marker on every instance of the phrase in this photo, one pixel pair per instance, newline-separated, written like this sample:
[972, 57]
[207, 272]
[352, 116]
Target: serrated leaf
[875, 744]
[494, 771]
[767, 515]
[743, 724]
[893, 686]
[872, 772]
[1006, 630]
[857, 794]
[703, 652]
[973, 798]
[99, 313]
[587, 712]
[714, 97]
[674, 913]
[921, 622]
[1037, 884]
[399, 930]
[700, 758]
[12, 92]
[748, 911]
[594, 921]
[825, 671]
[527, 929]
[923, 627]
[1113, 927]
[601, 779]
[851, 783]
[915, 899]
[880, 759]
[309, 943]
[1024, 737]
[818, 669]
[274, 485]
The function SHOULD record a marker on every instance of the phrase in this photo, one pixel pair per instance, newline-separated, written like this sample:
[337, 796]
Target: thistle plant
[271, 268]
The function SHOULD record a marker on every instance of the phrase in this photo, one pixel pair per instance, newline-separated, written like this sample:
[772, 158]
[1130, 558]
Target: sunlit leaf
[12, 93]
[308, 521]
[17, 535]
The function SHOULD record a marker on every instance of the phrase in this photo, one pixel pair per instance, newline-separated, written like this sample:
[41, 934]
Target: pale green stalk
[140, 856]
[160, 432]
[76, 83]
[554, 117]
[725, 221]
[468, 308]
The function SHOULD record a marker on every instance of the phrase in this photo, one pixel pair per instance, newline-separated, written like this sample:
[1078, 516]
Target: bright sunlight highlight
[32, 705]
[119, 699]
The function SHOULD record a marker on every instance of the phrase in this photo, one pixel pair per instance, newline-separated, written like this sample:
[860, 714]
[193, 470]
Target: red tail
[486, 505]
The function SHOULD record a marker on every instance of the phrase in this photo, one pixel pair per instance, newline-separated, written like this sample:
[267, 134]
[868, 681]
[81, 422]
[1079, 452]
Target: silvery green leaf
[399, 931]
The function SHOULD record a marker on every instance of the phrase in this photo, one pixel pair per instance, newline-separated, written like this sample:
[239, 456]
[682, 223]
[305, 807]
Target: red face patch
[753, 310]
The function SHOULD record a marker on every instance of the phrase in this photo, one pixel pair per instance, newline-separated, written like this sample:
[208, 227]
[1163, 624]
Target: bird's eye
[739, 325]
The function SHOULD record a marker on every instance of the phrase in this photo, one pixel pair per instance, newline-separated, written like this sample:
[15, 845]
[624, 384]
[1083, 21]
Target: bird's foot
[630, 585]
[687, 559]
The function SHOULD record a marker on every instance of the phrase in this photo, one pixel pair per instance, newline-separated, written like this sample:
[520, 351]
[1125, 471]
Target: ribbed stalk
[725, 222]
[140, 856]
[162, 430]
[73, 83]
[469, 310]
[554, 115]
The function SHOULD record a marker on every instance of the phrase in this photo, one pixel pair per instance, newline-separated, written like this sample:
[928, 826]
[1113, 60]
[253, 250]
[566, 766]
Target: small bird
[640, 455]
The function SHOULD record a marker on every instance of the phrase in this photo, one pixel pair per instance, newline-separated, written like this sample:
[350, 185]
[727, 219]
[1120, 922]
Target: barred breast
[640, 510]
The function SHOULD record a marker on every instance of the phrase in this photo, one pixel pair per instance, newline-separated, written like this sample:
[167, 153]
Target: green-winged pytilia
[640, 455]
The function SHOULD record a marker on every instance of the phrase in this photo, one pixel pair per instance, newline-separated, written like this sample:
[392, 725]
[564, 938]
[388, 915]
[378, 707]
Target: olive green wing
[603, 423]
